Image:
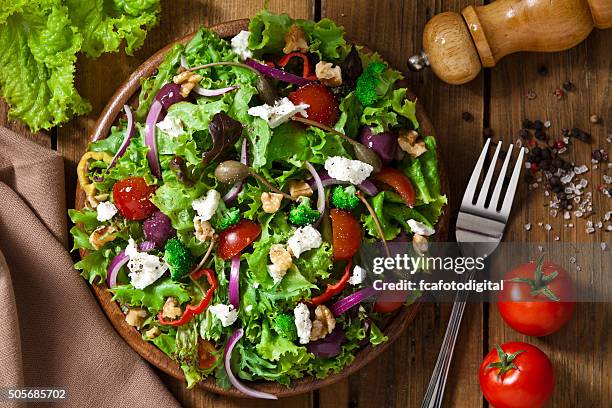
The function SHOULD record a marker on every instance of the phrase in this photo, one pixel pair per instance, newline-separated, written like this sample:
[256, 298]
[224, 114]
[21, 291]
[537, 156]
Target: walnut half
[135, 317]
[407, 142]
[328, 74]
[295, 40]
[298, 188]
[323, 324]
[172, 310]
[271, 202]
[102, 235]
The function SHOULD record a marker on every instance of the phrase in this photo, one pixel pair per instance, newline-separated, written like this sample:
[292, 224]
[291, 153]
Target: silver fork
[479, 223]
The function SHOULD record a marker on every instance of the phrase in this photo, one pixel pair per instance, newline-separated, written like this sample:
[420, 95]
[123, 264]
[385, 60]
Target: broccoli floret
[178, 257]
[368, 83]
[345, 197]
[302, 214]
[285, 326]
[225, 217]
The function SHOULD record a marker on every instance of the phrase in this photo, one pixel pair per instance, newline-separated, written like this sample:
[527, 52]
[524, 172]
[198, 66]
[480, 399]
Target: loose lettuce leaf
[268, 31]
[350, 113]
[174, 199]
[93, 267]
[153, 296]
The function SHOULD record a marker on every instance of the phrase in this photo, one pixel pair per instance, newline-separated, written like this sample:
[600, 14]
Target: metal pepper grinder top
[457, 46]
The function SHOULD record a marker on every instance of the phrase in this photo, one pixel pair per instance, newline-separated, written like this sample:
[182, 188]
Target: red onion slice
[233, 192]
[234, 282]
[126, 139]
[184, 62]
[354, 299]
[150, 139]
[366, 187]
[277, 73]
[227, 356]
[320, 191]
[214, 92]
[114, 267]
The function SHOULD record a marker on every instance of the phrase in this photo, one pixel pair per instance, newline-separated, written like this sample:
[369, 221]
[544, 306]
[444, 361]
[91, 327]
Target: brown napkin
[52, 331]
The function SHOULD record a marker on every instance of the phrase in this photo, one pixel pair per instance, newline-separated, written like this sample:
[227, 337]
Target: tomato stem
[539, 285]
[505, 362]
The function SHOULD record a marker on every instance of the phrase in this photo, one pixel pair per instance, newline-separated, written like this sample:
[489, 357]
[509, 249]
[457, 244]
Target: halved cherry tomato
[323, 105]
[132, 198]
[397, 180]
[237, 237]
[524, 303]
[207, 354]
[346, 234]
[517, 375]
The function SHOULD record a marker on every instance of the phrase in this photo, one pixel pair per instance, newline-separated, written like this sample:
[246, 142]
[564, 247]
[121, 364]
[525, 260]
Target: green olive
[231, 171]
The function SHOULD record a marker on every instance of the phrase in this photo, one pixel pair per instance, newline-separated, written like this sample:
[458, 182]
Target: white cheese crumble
[226, 313]
[278, 114]
[144, 268]
[240, 45]
[206, 206]
[304, 239]
[420, 228]
[343, 169]
[171, 126]
[358, 276]
[248, 308]
[302, 322]
[106, 210]
[276, 273]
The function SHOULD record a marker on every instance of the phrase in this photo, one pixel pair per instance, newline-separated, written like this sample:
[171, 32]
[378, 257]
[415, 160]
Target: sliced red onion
[233, 192]
[214, 92]
[354, 299]
[150, 139]
[234, 282]
[320, 191]
[385, 143]
[169, 94]
[277, 73]
[227, 356]
[367, 186]
[114, 267]
[126, 139]
[184, 62]
[330, 346]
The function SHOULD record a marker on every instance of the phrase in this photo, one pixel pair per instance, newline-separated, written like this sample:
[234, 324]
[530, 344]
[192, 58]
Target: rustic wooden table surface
[496, 99]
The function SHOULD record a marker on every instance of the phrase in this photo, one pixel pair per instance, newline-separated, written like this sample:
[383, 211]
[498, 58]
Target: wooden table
[496, 99]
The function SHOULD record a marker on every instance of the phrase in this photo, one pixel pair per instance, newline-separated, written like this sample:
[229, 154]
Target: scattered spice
[568, 86]
[559, 94]
[531, 95]
[594, 119]
[487, 132]
[524, 134]
[467, 116]
[543, 70]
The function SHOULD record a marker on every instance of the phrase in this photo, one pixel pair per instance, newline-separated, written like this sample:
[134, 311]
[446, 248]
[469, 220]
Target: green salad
[226, 212]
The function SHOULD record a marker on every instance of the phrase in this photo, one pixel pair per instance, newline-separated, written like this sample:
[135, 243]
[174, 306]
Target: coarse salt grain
[547, 227]
[604, 246]
[572, 259]
[528, 227]
[566, 215]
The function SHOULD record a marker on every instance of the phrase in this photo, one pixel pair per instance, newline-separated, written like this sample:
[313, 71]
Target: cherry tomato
[525, 306]
[131, 196]
[523, 380]
[399, 182]
[207, 354]
[346, 234]
[237, 237]
[323, 105]
[389, 301]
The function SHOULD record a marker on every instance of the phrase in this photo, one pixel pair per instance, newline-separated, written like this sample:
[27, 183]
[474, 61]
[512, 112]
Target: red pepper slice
[306, 73]
[192, 310]
[333, 290]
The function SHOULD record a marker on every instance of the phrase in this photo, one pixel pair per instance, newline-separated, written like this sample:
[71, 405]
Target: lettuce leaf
[153, 296]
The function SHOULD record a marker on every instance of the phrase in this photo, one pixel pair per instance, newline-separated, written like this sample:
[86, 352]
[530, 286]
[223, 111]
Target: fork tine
[470, 190]
[500, 180]
[484, 190]
[505, 211]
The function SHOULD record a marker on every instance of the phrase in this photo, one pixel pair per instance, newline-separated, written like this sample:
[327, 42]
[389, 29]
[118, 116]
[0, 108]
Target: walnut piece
[271, 202]
[298, 188]
[172, 309]
[420, 244]
[323, 324]
[280, 257]
[102, 235]
[203, 230]
[187, 80]
[295, 40]
[153, 332]
[328, 74]
[135, 317]
[407, 142]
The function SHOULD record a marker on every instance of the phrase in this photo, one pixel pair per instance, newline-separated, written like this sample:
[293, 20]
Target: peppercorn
[544, 164]
[564, 204]
[561, 195]
[554, 180]
[487, 132]
[585, 137]
[534, 167]
[467, 116]
[527, 124]
[596, 155]
[538, 124]
[565, 132]
[557, 163]
[568, 86]
[557, 189]
[567, 166]
[559, 144]
[524, 134]
[537, 151]
[540, 135]
[543, 70]
[546, 153]
[559, 93]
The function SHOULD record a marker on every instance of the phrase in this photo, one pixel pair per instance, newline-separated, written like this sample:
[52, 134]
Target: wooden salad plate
[394, 325]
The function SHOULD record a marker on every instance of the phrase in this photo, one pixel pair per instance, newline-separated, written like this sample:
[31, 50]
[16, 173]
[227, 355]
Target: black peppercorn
[524, 134]
[557, 163]
[537, 151]
[544, 164]
[555, 181]
[540, 135]
[538, 124]
[568, 86]
[561, 195]
[584, 137]
[564, 204]
[487, 132]
[546, 153]
[527, 124]
[529, 179]
[543, 70]
[567, 166]
[596, 155]
[467, 116]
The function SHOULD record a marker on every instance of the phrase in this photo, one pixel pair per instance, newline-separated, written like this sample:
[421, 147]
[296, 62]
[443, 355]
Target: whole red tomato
[323, 105]
[132, 198]
[536, 299]
[346, 234]
[237, 237]
[517, 375]
[389, 301]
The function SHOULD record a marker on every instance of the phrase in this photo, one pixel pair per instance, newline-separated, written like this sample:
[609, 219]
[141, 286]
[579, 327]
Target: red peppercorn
[559, 93]
[559, 144]
[534, 167]
[531, 143]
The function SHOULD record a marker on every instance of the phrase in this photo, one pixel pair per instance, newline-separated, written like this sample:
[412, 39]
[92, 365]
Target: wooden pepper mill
[458, 46]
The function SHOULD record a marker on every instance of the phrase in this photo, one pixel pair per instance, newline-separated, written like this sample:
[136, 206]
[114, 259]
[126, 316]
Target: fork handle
[435, 389]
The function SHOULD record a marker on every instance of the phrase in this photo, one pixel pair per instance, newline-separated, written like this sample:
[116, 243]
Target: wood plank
[400, 376]
[580, 351]
[98, 79]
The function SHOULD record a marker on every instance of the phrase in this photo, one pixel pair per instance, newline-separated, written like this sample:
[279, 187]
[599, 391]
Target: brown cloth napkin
[52, 331]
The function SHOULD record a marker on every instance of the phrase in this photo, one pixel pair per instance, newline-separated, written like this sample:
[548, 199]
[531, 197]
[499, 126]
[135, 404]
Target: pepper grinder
[457, 46]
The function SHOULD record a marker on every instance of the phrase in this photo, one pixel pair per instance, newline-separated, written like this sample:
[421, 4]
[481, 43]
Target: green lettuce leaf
[94, 266]
[153, 296]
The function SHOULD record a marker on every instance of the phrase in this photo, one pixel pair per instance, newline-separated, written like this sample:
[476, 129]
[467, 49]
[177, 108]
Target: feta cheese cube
[144, 268]
[106, 211]
[225, 313]
[171, 126]
[206, 206]
[304, 239]
[302, 322]
[358, 276]
[276, 273]
[278, 114]
[420, 228]
[343, 169]
[240, 45]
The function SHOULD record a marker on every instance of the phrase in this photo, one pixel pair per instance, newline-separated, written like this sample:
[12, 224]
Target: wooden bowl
[393, 327]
